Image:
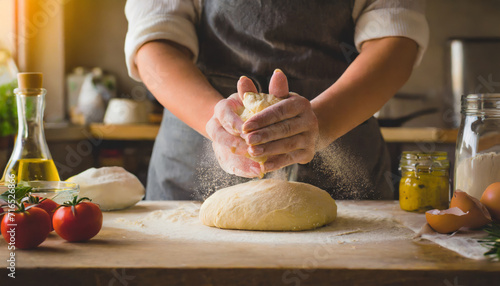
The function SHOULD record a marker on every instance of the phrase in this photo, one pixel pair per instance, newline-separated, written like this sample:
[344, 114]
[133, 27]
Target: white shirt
[175, 20]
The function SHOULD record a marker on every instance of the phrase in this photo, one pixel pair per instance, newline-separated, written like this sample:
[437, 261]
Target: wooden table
[120, 257]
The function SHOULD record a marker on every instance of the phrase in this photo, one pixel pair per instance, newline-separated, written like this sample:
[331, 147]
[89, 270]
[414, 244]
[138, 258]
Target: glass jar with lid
[477, 162]
[424, 183]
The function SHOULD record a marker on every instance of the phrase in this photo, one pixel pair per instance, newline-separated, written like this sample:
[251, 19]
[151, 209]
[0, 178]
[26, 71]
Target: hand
[224, 129]
[287, 132]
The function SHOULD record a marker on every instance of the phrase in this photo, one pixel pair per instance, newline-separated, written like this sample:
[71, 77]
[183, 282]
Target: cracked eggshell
[112, 188]
[446, 221]
[477, 216]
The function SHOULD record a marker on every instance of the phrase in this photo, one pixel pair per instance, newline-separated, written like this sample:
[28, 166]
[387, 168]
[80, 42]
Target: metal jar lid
[481, 104]
[415, 160]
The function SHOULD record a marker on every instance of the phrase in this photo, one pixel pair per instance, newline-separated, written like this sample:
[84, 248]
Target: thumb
[245, 85]
[278, 85]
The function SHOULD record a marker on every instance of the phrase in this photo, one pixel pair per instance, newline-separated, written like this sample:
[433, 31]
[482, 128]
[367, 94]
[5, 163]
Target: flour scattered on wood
[354, 225]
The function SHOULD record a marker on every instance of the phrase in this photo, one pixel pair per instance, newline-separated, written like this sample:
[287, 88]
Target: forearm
[382, 67]
[169, 73]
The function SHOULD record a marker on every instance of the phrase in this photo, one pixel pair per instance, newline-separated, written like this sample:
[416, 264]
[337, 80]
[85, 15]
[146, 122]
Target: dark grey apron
[312, 42]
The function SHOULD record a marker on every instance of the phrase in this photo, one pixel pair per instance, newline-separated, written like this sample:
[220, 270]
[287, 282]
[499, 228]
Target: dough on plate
[269, 204]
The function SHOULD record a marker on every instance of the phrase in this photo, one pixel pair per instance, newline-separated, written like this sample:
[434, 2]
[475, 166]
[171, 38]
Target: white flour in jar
[474, 174]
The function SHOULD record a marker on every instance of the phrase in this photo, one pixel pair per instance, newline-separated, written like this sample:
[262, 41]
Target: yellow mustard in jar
[424, 181]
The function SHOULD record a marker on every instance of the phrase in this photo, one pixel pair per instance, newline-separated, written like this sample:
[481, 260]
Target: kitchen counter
[149, 132]
[124, 255]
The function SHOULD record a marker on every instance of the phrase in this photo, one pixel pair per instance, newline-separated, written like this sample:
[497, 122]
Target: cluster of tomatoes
[31, 222]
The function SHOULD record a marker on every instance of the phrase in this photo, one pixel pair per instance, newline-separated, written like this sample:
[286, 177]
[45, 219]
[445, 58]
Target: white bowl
[125, 111]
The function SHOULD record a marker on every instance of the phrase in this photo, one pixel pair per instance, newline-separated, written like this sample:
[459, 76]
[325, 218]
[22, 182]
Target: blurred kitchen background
[72, 41]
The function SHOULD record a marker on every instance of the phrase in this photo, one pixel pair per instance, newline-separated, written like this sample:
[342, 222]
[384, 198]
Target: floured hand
[285, 132]
[224, 129]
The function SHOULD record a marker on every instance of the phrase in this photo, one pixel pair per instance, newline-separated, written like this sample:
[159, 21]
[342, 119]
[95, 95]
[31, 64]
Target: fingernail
[256, 150]
[242, 77]
[277, 70]
[254, 139]
[251, 126]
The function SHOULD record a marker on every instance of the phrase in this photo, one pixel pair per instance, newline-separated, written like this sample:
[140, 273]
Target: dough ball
[269, 204]
[112, 188]
[254, 103]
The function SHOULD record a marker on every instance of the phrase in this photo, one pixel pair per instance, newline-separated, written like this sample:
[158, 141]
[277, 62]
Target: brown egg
[477, 216]
[491, 199]
[446, 221]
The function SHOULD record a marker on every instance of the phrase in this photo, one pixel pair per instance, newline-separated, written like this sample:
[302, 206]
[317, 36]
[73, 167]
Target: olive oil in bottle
[34, 170]
[31, 159]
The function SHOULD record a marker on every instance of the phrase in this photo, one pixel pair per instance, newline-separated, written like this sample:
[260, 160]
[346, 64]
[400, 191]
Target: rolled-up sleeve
[391, 18]
[151, 20]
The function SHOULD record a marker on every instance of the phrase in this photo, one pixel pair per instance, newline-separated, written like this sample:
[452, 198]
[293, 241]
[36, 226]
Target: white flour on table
[354, 224]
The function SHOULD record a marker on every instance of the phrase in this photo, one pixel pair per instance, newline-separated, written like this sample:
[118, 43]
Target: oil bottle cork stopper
[30, 80]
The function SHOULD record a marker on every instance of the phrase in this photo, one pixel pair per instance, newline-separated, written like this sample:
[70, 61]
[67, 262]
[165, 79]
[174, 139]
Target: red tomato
[1, 215]
[77, 220]
[46, 204]
[26, 228]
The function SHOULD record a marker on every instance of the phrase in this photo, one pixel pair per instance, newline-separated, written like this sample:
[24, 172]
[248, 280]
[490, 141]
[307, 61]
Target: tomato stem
[73, 203]
[33, 199]
[20, 207]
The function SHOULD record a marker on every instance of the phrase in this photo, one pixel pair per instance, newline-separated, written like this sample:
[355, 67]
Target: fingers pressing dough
[254, 103]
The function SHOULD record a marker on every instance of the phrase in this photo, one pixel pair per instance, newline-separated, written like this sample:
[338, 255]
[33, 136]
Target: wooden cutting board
[126, 253]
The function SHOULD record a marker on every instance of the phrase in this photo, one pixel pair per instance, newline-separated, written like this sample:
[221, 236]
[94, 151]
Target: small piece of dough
[254, 103]
[112, 188]
[269, 204]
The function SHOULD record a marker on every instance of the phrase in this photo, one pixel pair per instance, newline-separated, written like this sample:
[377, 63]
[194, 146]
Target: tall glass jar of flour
[477, 163]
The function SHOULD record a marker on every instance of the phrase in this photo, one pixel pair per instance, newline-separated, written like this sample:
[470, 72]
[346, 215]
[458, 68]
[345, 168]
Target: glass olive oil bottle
[31, 159]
